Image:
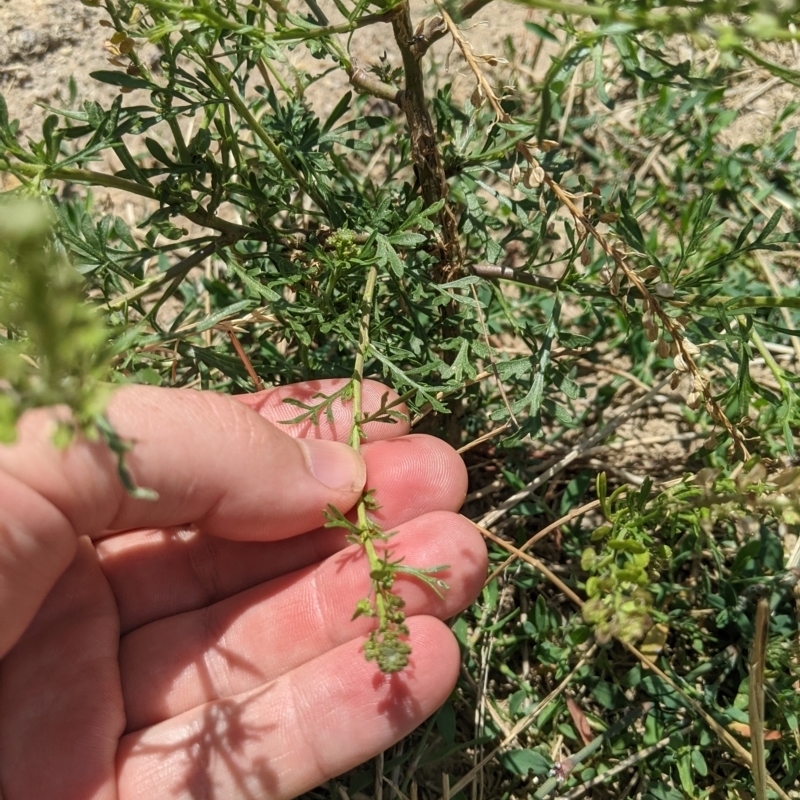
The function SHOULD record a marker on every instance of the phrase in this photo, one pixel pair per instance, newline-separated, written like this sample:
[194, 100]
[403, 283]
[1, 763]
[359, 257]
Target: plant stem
[88, 176]
[303, 34]
[363, 346]
[424, 145]
[271, 145]
[574, 761]
[179, 270]
[771, 363]
[358, 415]
[666, 20]
[389, 626]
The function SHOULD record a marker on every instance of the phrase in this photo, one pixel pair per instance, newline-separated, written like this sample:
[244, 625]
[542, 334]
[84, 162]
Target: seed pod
[609, 216]
[616, 280]
[651, 332]
[694, 399]
[435, 25]
[665, 290]
[534, 176]
[586, 257]
[680, 364]
[605, 274]
[478, 96]
[649, 272]
[514, 174]
[690, 347]
[542, 205]
[662, 348]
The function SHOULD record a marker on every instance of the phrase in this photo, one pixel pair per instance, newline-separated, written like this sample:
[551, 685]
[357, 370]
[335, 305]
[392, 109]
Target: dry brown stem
[684, 357]
[424, 147]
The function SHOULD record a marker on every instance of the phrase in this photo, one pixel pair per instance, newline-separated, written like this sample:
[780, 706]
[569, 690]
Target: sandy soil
[45, 42]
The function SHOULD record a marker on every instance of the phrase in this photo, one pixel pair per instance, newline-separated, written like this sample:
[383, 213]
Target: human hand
[201, 645]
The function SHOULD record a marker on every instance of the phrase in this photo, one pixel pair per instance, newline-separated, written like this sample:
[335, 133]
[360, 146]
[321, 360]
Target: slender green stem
[669, 20]
[339, 52]
[363, 346]
[202, 12]
[271, 145]
[180, 142]
[304, 34]
[72, 175]
[771, 363]
[175, 272]
[269, 68]
[225, 126]
[356, 434]
[88, 176]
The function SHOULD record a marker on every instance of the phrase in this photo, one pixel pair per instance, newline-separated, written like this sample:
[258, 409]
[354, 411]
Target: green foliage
[55, 348]
[592, 231]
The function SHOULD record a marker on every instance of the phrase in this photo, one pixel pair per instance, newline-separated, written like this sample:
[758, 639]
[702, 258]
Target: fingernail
[336, 465]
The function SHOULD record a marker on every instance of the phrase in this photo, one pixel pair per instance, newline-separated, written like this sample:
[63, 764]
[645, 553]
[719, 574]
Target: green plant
[513, 261]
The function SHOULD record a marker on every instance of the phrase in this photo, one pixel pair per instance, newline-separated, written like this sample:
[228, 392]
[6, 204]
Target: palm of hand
[167, 662]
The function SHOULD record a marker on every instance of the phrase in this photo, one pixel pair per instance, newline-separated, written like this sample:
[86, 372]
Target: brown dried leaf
[649, 272]
[741, 729]
[581, 723]
[665, 290]
[478, 96]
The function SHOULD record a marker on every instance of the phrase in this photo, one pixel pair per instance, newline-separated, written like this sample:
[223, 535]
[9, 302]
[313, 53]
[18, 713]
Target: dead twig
[257, 383]
[626, 763]
[521, 725]
[755, 707]
[424, 146]
[576, 512]
[558, 463]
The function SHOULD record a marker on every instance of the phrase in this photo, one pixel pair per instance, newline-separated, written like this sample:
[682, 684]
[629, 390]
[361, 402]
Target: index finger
[211, 461]
[387, 417]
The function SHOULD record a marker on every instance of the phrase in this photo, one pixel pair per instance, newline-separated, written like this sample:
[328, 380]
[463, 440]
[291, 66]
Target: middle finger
[159, 573]
[181, 662]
